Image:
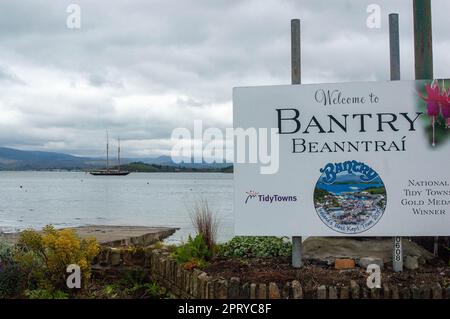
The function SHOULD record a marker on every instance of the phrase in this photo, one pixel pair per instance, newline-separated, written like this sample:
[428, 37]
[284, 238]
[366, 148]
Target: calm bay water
[35, 199]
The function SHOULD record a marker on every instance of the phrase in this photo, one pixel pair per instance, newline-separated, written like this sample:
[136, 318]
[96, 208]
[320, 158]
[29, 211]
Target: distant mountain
[160, 160]
[12, 159]
[13, 154]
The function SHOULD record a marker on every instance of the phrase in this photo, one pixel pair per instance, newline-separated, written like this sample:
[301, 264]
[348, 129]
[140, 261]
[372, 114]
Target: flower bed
[274, 278]
[311, 277]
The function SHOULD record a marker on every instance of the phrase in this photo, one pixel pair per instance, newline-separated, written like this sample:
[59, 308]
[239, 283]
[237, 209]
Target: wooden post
[297, 249]
[394, 46]
[423, 51]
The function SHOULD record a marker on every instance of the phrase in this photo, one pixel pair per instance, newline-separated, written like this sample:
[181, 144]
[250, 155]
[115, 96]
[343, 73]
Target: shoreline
[113, 236]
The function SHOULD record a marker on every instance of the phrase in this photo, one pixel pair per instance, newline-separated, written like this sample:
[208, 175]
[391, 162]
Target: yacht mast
[107, 151]
[118, 151]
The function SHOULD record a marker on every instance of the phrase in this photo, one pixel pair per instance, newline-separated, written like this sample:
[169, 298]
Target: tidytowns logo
[269, 198]
[349, 197]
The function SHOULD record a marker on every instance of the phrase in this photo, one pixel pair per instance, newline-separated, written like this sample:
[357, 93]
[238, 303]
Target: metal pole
[296, 52]
[423, 41]
[394, 46]
[423, 51]
[297, 249]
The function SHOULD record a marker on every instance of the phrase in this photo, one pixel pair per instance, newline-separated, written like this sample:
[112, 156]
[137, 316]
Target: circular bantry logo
[349, 197]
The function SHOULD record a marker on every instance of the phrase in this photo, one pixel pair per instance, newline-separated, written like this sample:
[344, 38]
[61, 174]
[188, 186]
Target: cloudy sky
[141, 68]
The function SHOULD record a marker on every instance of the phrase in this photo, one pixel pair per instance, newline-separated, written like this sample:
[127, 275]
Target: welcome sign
[354, 159]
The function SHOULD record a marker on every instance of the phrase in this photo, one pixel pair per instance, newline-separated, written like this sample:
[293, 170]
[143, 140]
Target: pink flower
[433, 99]
[434, 102]
[433, 108]
[445, 108]
[433, 92]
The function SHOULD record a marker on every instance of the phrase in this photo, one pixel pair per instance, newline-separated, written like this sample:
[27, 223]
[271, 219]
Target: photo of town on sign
[350, 205]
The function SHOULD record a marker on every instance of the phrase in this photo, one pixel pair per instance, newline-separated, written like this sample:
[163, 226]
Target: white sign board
[355, 159]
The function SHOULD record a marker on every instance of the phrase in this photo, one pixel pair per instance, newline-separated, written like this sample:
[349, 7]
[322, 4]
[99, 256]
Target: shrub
[205, 223]
[134, 284]
[134, 277]
[153, 290]
[195, 252]
[5, 253]
[11, 276]
[111, 290]
[46, 294]
[45, 257]
[256, 247]
[11, 281]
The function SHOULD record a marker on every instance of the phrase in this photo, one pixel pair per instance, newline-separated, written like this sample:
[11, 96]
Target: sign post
[423, 45]
[394, 45]
[423, 51]
[394, 41]
[296, 52]
[297, 248]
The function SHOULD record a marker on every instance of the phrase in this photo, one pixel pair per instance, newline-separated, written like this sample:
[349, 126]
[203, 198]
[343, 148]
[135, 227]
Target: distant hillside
[155, 168]
[12, 159]
[167, 161]
[18, 160]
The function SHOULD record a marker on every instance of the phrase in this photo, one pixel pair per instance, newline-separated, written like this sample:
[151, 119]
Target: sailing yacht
[108, 171]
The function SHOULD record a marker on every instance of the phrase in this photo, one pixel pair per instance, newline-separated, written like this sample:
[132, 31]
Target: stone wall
[195, 284]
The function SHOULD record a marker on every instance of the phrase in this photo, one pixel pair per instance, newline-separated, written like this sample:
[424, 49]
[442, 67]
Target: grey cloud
[143, 67]
[8, 77]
